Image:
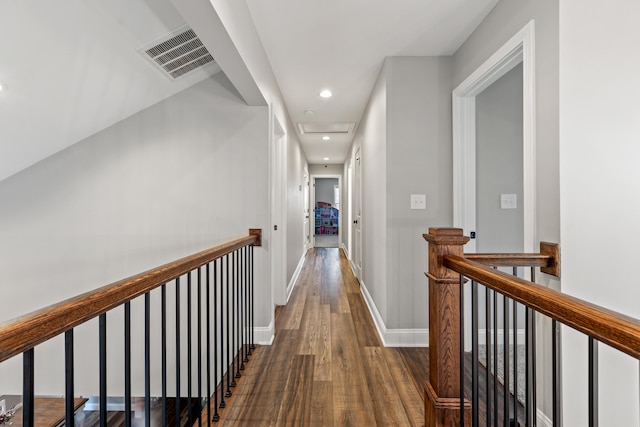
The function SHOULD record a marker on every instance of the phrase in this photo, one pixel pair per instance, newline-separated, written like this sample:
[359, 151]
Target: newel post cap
[446, 236]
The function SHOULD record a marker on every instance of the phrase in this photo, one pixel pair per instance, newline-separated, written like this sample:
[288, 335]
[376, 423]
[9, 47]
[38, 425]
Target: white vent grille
[178, 53]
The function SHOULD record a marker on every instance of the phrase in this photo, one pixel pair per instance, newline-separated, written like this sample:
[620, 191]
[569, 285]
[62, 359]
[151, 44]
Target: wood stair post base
[443, 399]
[444, 411]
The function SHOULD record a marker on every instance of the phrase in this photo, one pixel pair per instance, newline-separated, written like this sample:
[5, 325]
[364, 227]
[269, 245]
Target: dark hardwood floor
[327, 366]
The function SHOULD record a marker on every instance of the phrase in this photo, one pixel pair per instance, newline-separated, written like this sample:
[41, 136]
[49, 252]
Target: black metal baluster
[28, 387]
[487, 345]
[246, 303]
[241, 296]
[528, 360]
[474, 354]
[189, 352]
[461, 308]
[69, 378]
[127, 364]
[534, 339]
[252, 289]
[237, 305]
[593, 382]
[102, 326]
[228, 343]
[555, 350]
[223, 349]
[164, 353]
[199, 347]
[515, 353]
[147, 359]
[234, 327]
[495, 358]
[216, 416]
[505, 360]
[178, 352]
[208, 333]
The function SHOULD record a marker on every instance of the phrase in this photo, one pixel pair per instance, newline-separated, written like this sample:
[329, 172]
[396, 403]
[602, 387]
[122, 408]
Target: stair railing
[451, 399]
[219, 287]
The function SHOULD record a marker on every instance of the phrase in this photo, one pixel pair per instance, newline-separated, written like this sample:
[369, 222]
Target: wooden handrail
[548, 259]
[26, 332]
[614, 329]
[511, 260]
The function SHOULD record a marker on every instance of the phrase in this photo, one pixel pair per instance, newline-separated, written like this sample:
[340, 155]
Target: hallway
[327, 366]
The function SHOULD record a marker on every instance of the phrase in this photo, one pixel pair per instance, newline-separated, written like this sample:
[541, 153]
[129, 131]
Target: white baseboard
[346, 252]
[394, 337]
[294, 277]
[543, 420]
[353, 268]
[264, 335]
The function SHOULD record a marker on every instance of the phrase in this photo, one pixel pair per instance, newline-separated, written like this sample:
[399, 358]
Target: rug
[521, 368]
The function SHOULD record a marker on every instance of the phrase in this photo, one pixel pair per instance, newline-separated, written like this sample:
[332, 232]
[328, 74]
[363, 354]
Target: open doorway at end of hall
[327, 213]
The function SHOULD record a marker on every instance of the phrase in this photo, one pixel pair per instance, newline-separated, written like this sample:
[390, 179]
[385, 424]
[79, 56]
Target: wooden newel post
[442, 392]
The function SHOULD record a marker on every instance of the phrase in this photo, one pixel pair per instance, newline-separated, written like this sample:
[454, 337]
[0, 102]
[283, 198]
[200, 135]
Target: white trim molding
[394, 337]
[519, 49]
[294, 277]
[346, 251]
[264, 335]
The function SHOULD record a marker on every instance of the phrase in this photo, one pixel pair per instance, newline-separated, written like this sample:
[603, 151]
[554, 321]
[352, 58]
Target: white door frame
[357, 258]
[519, 49]
[312, 206]
[278, 177]
[306, 221]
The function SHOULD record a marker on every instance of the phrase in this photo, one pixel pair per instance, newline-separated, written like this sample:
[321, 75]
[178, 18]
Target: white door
[357, 216]
[278, 230]
[306, 221]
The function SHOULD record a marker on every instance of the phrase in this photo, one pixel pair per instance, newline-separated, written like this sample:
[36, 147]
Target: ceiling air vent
[178, 53]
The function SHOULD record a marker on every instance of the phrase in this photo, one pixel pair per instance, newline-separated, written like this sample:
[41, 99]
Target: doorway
[326, 209]
[499, 171]
[277, 234]
[518, 50]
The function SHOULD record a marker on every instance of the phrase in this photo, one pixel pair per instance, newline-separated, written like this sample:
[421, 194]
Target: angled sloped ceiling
[72, 69]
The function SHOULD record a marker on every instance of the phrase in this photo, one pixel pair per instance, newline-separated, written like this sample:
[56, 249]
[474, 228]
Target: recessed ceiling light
[326, 94]
[326, 138]
[309, 112]
[326, 158]
[3, 87]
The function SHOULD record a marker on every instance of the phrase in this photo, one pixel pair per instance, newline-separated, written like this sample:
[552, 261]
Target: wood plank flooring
[327, 366]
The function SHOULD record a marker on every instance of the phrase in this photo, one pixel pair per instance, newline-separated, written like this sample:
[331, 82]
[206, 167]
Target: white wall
[405, 137]
[296, 163]
[502, 23]
[419, 161]
[499, 167]
[505, 20]
[599, 152]
[176, 178]
[325, 169]
[238, 23]
[371, 138]
[325, 190]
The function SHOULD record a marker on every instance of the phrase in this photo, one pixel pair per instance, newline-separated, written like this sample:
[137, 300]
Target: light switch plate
[418, 201]
[508, 201]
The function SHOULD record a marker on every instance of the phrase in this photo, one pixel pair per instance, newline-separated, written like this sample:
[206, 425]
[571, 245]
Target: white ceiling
[341, 45]
[72, 66]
